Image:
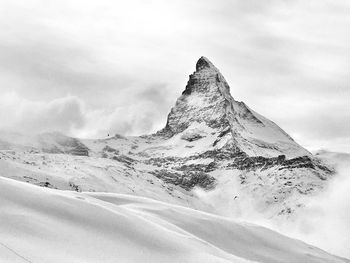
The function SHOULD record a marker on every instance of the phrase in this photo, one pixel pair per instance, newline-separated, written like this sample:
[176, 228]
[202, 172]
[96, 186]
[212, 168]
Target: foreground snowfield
[45, 225]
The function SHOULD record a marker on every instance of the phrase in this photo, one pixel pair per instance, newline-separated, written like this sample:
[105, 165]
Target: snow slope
[45, 225]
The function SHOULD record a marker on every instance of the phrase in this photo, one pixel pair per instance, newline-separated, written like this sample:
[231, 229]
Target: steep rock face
[202, 101]
[207, 99]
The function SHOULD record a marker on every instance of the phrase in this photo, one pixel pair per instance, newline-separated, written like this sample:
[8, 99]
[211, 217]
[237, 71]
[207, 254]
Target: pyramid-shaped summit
[204, 63]
[206, 106]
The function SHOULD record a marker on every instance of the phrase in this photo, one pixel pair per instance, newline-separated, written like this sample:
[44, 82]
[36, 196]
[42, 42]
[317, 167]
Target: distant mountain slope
[53, 142]
[44, 225]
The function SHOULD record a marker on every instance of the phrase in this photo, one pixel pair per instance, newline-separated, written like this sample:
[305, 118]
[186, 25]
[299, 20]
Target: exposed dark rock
[186, 180]
[75, 187]
[221, 154]
[190, 137]
[259, 162]
[203, 63]
[109, 149]
[123, 159]
[46, 184]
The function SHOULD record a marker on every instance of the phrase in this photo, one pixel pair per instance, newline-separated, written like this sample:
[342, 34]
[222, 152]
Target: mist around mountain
[185, 193]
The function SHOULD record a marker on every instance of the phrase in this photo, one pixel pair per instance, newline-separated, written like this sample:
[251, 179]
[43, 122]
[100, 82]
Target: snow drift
[46, 225]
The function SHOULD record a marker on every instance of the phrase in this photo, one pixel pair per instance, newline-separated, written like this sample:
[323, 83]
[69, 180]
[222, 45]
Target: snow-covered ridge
[54, 142]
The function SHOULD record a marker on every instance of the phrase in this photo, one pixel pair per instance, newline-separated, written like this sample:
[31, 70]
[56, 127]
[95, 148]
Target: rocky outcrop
[262, 163]
[187, 180]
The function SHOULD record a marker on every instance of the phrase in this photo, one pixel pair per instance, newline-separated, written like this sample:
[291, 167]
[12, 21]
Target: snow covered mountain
[207, 101]
[210, 142]
[214, 154]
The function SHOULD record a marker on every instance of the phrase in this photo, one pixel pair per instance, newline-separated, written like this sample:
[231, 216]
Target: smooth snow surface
[46, 225]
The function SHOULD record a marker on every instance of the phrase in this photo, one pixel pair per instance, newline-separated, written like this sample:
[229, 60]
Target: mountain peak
[204, 63]
[206, 104]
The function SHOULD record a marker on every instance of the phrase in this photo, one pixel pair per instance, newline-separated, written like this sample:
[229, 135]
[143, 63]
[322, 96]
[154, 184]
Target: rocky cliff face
[207, 100]
[203, 100]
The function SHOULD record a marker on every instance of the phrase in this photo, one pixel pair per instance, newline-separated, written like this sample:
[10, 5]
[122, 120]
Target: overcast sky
[92, 67]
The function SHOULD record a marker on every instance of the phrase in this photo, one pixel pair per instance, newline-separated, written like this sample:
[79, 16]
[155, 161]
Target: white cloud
[27, 116]
[278, 56]
[70, 115]
[325, 222]
[133, 119]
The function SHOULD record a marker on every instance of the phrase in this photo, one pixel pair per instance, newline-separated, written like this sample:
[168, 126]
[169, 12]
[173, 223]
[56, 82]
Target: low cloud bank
[27, 116]
[324, 222]
[71, 116]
